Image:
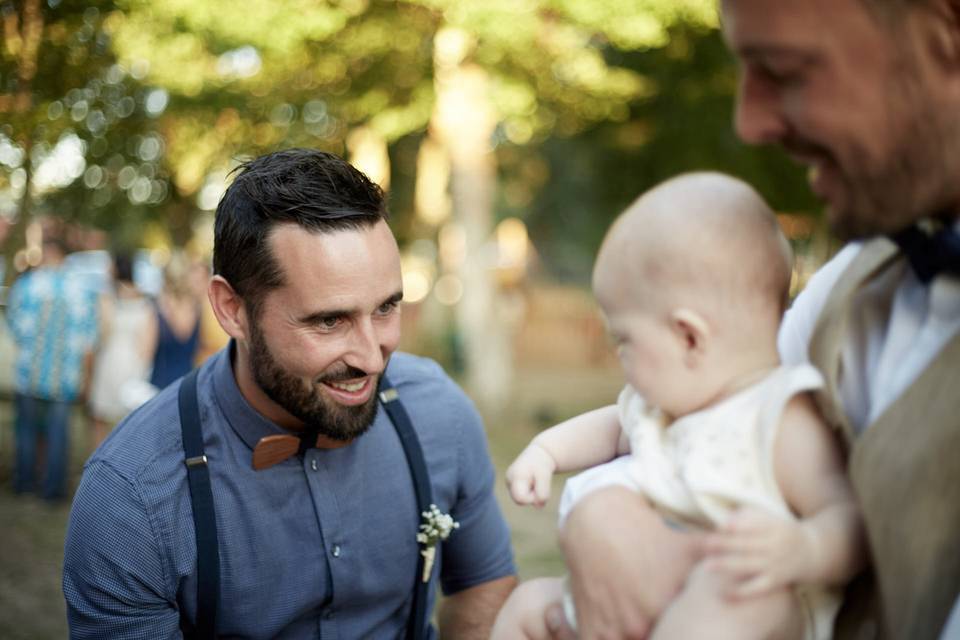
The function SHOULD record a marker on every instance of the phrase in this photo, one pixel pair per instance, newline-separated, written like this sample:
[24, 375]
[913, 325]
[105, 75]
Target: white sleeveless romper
[701, 468]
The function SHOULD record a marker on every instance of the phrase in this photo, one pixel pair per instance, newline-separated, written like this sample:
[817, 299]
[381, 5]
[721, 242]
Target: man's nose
[758, 118]
[365, 348]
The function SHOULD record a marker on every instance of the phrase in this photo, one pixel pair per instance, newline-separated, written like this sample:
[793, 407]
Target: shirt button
[335, 550]
[313, 464]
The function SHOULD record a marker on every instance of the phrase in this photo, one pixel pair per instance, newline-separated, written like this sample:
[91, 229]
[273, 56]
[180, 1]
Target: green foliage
[79, 103]
[280, 74]
[595, 102]
[685, 125]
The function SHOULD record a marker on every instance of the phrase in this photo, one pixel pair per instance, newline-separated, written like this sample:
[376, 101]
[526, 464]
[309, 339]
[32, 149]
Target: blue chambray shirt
[322, 546]
[52, 315]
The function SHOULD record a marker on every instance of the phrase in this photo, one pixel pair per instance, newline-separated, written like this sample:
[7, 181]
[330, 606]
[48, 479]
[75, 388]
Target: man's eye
[780, 75]
[386, 308]
[328, 323]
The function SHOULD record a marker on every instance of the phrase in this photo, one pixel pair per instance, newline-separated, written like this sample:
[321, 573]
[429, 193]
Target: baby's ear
[693, 332]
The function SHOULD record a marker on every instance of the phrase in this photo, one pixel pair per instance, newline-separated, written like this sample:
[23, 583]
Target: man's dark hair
[56, 243]
[123, 267]
[315, 190]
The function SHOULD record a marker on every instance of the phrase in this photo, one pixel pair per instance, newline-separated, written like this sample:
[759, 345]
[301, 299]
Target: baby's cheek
[630, 371]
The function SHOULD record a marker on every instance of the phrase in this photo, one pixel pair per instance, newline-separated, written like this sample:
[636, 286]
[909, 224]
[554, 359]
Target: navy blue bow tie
[930, 250]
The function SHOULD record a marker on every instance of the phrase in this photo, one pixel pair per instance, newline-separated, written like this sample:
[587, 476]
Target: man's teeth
[355, 386]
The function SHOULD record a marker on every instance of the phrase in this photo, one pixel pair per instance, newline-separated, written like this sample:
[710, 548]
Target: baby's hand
[528, 478]
[761, 552]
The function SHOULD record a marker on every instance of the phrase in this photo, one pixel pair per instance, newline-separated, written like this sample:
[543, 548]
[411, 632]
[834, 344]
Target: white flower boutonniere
[436, 527]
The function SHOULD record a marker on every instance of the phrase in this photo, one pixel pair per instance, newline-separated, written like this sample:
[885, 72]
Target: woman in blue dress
[178, 323]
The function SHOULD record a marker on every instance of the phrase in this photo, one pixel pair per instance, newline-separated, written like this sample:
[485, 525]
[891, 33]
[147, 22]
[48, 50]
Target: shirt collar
[246, 421]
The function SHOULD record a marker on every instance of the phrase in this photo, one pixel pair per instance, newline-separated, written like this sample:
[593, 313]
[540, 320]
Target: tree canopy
[149, 104]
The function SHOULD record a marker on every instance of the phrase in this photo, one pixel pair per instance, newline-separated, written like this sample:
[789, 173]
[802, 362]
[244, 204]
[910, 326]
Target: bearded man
[278, 452]
[866, 93]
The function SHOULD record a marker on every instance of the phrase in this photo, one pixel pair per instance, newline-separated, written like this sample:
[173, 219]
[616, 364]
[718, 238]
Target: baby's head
[693, 279]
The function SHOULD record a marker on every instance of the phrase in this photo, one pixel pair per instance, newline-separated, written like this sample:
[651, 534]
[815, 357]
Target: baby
[692, 280]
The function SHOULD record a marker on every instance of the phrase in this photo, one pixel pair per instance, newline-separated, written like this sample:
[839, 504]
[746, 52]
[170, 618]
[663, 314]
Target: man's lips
[825, 180]
[350, 392]
[806, 156]
[815, 179]
[820, 168]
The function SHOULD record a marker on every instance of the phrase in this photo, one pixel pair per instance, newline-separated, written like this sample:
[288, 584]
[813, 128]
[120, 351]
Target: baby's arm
[827, 545]
[584, 441]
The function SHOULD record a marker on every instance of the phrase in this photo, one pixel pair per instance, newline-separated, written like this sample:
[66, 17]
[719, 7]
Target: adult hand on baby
[761, 552]
[626, 565]
[528, 478]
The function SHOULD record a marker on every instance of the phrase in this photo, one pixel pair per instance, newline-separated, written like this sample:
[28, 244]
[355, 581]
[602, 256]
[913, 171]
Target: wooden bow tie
[276, 448]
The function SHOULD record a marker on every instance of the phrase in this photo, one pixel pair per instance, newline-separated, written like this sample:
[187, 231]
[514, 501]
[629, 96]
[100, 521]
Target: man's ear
[941, 28]
[229, 308]
[693, 332]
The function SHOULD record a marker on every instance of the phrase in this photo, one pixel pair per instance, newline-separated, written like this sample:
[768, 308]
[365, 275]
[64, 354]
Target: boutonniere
[436, 527]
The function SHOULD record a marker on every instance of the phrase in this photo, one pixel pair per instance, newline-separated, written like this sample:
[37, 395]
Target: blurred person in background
[124, 357]
[53, 316]
[881, 135]
[178, 322]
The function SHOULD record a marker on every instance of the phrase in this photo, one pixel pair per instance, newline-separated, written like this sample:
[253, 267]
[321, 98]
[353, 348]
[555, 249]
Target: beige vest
[905, 469]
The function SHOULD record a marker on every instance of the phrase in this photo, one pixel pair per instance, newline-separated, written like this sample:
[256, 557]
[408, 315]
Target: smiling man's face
[323, 338]
[863, 102]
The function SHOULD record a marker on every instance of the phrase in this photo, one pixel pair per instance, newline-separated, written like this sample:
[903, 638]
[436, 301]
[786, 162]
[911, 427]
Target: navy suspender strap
[417, 624]
[204, 519]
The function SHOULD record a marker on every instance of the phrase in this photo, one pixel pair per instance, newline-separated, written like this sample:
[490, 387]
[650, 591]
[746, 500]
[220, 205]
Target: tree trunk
[464, 121]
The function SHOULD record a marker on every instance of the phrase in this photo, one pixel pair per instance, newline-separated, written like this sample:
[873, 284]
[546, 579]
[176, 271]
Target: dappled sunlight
[507, 135]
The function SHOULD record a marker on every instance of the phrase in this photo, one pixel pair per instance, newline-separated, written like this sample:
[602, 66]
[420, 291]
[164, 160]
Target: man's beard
[338, 422]
[913, 179]
[874, 200]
